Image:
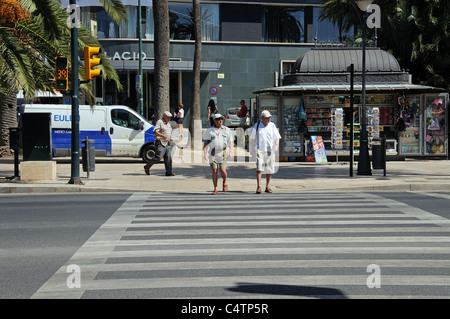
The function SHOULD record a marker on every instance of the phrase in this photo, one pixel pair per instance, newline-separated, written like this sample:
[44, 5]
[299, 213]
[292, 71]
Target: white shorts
[265, 162]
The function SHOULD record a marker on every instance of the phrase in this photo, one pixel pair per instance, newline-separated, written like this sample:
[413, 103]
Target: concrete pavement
[127, 175]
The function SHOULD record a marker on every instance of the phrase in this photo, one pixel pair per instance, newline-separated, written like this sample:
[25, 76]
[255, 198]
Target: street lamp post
[363, 159]
[141, 81]
[75, 137]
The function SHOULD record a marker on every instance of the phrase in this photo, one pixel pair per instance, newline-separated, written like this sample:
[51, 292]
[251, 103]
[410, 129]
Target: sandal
[215, 192]
[225, 187]
[268, 190]
[258, 190]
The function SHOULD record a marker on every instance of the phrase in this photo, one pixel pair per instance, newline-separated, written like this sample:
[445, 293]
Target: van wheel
[148, 153]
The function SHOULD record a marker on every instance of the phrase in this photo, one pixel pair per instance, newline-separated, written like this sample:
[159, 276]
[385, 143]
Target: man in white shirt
[264, 143]
[217, 148]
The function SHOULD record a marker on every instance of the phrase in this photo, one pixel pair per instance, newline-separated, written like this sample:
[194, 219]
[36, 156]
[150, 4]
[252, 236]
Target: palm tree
[421, 35]
[161, 52]
[416, 32]
[195, 94]
[32, 34]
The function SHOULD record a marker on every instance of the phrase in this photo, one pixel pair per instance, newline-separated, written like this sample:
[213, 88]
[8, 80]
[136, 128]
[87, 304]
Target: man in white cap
[217, 147]
[164, 144]
[264, 143]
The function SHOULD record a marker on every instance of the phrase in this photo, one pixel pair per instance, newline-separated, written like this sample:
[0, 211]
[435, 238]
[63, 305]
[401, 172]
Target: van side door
[93, 126]
[125, 131]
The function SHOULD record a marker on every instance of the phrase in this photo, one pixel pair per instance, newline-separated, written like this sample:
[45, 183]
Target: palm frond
[44, 14]
[115, 9]
[15, 59]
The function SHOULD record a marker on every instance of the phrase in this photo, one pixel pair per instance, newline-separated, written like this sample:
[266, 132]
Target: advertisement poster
[310, 153]
[320, 153]
[337, 130]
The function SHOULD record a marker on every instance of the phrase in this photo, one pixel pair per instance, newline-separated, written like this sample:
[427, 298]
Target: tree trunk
[195, 94]
[161, 52]
[8, 118]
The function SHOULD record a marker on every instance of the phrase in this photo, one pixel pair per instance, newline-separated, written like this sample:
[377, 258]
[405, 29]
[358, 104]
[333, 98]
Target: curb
[413, 187]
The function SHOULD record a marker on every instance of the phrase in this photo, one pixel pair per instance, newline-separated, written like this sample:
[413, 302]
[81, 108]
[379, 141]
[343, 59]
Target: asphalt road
[436, 202]
[294, 245]
[39, 233]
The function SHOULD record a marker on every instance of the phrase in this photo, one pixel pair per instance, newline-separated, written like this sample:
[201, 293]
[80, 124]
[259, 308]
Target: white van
[116, 129]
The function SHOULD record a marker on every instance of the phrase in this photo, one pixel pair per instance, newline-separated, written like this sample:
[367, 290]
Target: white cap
[218, 116]
[167, 113]
[265, 114]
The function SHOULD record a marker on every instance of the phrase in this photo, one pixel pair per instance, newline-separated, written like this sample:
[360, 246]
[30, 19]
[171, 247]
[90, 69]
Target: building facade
[245, 46]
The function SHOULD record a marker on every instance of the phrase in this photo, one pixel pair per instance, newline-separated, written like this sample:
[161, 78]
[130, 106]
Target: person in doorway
[264, 144]
[164, 144]
[212, 109]
[243, 113]
[217, 147]
[180, 118]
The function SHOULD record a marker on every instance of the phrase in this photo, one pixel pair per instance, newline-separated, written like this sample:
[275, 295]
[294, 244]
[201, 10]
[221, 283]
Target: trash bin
[88, 155]
[379, 153]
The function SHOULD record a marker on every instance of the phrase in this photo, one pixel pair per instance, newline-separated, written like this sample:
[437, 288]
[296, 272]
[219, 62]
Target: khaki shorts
[219, 160]
[265, 162]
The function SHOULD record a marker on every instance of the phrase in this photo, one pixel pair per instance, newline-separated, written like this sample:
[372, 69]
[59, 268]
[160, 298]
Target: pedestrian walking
[180, 118]
[217, 148]
[212, 109]
[164, 144]
[243, 113]
[264, 144]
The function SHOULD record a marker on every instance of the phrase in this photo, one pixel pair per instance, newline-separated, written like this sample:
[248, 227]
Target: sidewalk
[127, 175]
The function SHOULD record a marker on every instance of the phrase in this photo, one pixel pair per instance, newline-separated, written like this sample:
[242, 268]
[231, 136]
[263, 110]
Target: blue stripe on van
[149, 135]
[61, 139]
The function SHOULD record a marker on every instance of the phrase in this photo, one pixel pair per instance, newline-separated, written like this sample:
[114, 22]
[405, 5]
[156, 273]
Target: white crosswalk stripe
[286, 245]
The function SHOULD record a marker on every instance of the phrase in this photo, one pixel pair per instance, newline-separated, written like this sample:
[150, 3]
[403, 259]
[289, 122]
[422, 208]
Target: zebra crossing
[241, 245]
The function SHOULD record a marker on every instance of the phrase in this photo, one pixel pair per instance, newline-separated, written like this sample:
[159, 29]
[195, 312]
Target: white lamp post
[363, 5]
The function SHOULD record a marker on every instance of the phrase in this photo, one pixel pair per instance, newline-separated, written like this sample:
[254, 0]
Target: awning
[173, 65]
[336, 88]
[39, 93]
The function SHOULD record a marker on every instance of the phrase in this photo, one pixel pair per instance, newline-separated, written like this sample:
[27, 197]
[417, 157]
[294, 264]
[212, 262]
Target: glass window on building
[129, 29]
[326, 31]
[97, 20]
[182, 21]
[210, 22]
[283, 24]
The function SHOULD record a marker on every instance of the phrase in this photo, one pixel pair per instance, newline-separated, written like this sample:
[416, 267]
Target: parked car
[232, 119]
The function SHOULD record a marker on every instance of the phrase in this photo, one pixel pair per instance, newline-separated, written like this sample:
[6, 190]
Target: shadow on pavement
[289, 290]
